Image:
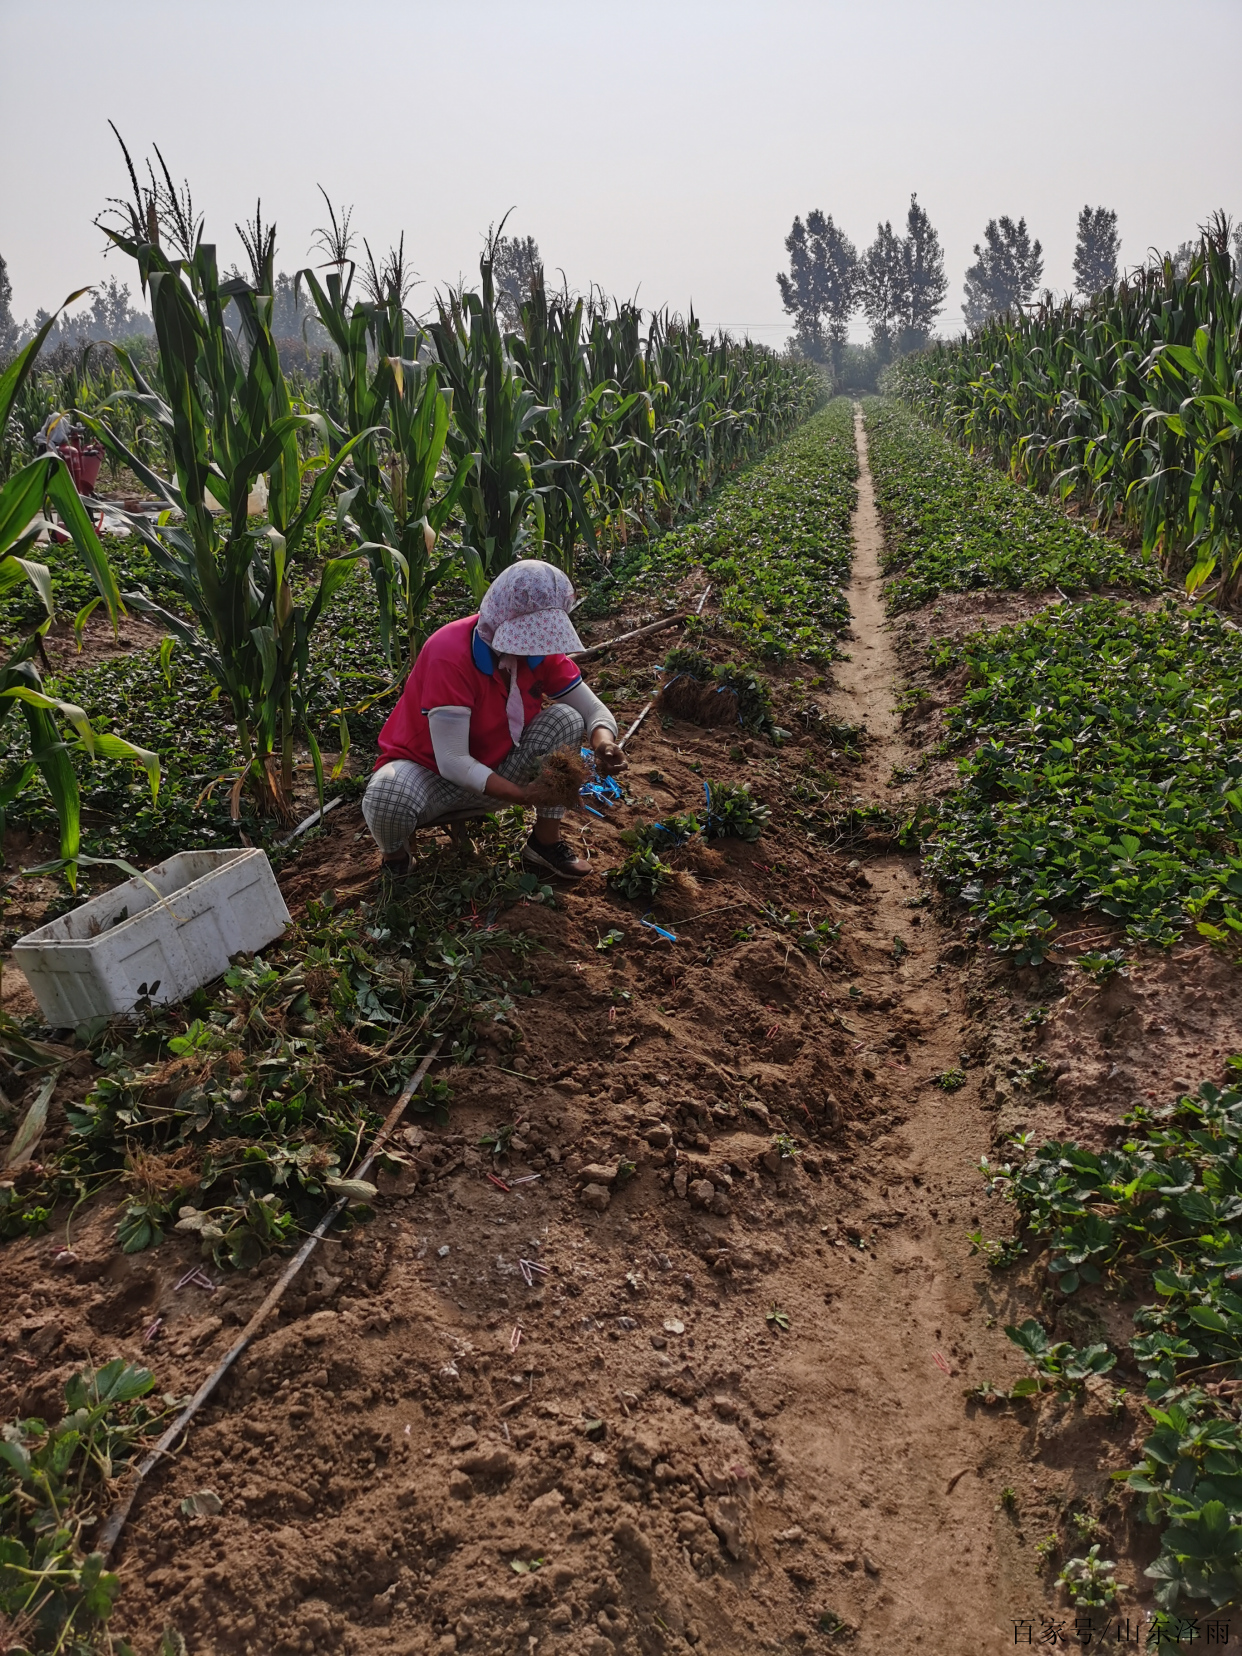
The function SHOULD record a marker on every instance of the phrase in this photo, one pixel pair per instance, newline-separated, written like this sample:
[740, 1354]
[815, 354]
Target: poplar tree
[8, 327]
[820, 288]
[1095, 257]
[925, 283]
[1006, 271]
[882, 287]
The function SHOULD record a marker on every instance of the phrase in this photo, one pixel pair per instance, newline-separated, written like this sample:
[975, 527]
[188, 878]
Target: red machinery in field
[70, 443]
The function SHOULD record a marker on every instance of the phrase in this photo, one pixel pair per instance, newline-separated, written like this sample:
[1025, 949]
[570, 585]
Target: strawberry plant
[55, 1483]
[733, 812]
[754, 698]
[1160, 1210]
[641, 876]
[666, 835]
[1056, 1361]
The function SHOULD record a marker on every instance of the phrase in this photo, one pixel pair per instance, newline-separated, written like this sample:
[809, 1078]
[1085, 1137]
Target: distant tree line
[899, 283]
[108, 314]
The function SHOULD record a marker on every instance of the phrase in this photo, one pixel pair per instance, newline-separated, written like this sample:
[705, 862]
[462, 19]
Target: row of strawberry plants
[775, 543]
[953, 524]
[1156, 1220]
[1101, 768]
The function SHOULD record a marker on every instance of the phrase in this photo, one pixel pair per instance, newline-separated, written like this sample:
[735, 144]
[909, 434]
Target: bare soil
[98, 642]
[729, 1417]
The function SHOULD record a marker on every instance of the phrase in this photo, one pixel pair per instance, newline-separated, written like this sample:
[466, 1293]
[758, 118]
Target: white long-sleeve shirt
[450, 736]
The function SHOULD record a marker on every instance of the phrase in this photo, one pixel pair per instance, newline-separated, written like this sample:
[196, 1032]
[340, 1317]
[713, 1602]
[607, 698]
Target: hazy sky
[656, 148]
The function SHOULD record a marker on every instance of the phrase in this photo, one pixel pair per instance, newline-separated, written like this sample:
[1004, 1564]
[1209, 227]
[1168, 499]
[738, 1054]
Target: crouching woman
[471, 728]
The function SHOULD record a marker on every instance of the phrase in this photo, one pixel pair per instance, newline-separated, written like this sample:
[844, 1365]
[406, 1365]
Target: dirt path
[916, 1477]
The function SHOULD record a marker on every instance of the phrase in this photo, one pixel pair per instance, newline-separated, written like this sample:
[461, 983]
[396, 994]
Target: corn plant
[228, 421]
[22, 499]
[1133, 400]
[390, 502]
[494, 411]
[624, 477]
[581, 421]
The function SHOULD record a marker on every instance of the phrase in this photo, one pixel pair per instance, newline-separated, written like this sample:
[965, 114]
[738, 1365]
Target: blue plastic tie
[605, 791]
[651, 925]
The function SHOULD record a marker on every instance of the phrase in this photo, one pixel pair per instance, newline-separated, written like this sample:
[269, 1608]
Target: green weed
[1089, 1581]
[999, 1254]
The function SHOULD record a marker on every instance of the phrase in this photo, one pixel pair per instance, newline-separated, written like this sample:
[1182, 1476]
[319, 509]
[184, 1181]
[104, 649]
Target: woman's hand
[609, 754]
[513, 793]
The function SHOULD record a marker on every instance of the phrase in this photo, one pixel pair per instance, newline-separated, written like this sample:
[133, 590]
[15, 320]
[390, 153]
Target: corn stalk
[227, 421]
[384, 396]
[580, 426]
[494, 410]
[22, 499]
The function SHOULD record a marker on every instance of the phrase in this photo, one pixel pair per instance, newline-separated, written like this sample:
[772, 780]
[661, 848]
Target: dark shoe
[555, 858]
[397, 866]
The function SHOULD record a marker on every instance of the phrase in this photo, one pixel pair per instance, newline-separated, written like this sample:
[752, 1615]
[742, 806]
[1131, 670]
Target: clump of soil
[681, 896]
[560, 778]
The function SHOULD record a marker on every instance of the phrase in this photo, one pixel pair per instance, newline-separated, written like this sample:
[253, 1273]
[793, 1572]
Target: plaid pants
[402, 795]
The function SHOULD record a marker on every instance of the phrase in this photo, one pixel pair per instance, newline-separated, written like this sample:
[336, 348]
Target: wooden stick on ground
[623, 638]
[115, 1523]
[636, 723]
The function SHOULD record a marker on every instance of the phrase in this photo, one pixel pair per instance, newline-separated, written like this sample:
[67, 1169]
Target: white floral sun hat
[525, 611]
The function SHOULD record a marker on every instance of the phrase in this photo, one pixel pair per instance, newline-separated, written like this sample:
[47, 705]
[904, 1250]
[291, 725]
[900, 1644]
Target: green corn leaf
[31, 1129]
[317, 762]
[14, 375]
[89, 548]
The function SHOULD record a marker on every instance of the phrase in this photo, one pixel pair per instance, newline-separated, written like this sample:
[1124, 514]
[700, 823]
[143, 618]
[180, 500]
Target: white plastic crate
[101, 958]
